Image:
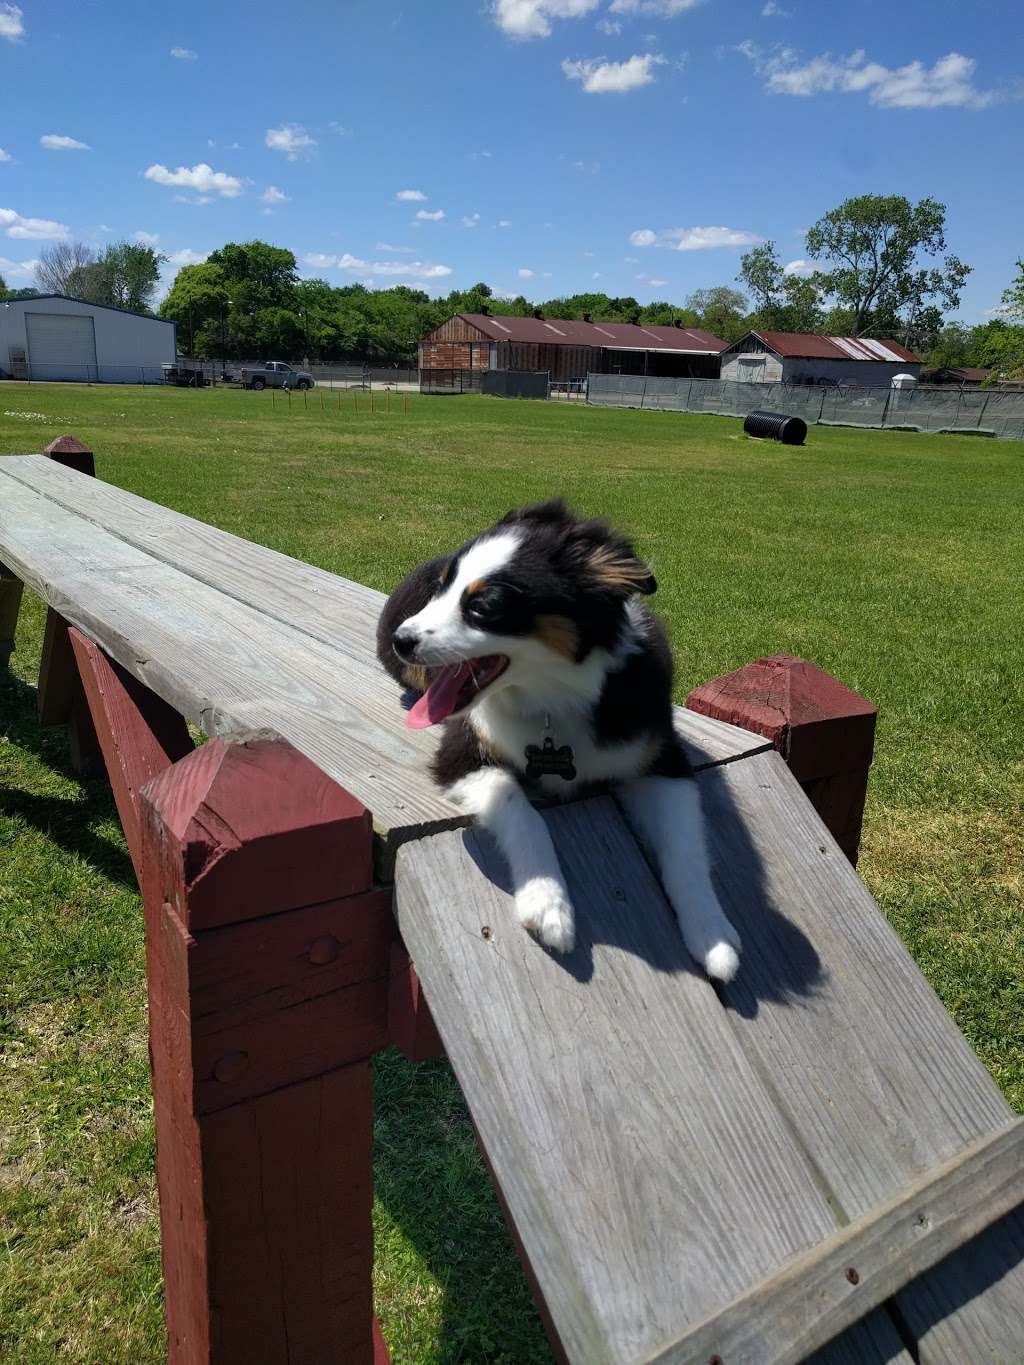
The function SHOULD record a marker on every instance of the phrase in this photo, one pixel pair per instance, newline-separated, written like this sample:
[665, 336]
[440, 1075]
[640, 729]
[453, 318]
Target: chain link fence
[990, 412]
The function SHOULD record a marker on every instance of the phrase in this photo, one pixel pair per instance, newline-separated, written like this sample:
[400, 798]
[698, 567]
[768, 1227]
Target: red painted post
[268, 956]
[410, 1024]
[138, 733]
[60, 697]
[10, 604]
[823, 730]
[68, 450]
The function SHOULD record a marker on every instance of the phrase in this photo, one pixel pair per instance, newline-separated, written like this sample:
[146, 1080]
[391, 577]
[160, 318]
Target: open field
[891, 559]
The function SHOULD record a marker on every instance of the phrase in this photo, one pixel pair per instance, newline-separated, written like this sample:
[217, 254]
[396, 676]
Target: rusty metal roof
[620, 336]
[808, 344]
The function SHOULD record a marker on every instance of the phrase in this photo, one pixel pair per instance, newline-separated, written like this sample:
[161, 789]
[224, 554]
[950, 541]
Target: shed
[805, 358]
[569, 348]
[51, 336]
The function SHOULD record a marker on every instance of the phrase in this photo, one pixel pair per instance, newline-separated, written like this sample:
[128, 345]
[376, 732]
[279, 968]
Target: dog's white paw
[722, 961]
[543, 907]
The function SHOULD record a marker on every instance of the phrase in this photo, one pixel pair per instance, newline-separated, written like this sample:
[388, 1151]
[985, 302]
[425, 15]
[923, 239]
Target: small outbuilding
[569, 348]
[51, 336]
[805, 358]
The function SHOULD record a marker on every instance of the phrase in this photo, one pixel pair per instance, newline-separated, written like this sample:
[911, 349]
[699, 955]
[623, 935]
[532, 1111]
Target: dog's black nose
[405, 644]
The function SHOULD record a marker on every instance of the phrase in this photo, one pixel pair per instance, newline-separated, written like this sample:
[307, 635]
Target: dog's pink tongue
[439, 699]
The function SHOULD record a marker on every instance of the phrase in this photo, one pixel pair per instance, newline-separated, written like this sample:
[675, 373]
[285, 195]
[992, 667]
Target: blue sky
[631, 146]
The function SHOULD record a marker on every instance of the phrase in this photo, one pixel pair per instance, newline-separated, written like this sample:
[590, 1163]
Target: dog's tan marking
[559, 634]
[608, 567]
[477, 585]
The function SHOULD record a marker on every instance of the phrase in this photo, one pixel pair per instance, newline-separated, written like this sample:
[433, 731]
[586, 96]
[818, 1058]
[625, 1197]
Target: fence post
[268, 963]
[823, 730]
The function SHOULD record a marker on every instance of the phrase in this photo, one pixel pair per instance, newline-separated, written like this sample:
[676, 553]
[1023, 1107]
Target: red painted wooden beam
[823, 730]
[269, 959]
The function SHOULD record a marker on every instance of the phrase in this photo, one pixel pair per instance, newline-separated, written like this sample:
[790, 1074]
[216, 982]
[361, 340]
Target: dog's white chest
[509, 733]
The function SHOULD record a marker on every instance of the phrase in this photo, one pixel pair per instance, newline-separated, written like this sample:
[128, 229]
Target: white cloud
[202, 178]
[186, 256]
[5, 156]
[148, 238]
[656, 284]
[504, 222]
[184, 54]
[631, 260]
[339, 129]
[272, 195]
[419, 270]
[31, 229]
[193, 199]
[609, 26]
[425, 216]
[471, 220]
[774, 11]
[11, 26]
[524, 19]
[17, 269]
[946, 84]
[387, 246]
[525, 274]
[613, 78]
[56, 142]
[290, 138]
[694, 238]
[410, 197]
[801, 267]
[478, 156]
[663, 9]
[597, 275]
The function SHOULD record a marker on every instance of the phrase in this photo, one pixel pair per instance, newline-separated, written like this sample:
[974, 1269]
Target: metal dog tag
[549, 761]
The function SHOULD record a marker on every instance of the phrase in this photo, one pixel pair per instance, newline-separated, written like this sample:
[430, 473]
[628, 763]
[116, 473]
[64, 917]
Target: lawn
[893, 560]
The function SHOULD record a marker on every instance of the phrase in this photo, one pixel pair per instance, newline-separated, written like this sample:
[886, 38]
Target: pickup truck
[275, 374]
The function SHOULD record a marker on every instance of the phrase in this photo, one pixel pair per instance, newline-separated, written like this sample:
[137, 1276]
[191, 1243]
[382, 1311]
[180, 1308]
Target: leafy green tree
[720, 310]
[3, 287]
[950, 348]
[256, 274]
[1013, 295]
[874, 248]
[198, 301]
[784, 303]
[998, 345]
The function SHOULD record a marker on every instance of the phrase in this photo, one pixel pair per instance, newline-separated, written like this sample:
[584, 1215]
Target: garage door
[61, 345]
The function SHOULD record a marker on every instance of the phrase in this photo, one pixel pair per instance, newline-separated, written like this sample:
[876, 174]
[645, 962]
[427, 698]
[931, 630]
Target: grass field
[893, 560]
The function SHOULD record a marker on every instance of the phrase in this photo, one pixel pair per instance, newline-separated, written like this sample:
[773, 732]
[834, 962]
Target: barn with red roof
[569, 349]
[805, 358]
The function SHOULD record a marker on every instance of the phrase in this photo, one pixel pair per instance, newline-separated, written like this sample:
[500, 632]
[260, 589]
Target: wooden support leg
[410, 1022]
[10, 604]
[824, 731]
[268, 957]
[138, 733]
[61, 700]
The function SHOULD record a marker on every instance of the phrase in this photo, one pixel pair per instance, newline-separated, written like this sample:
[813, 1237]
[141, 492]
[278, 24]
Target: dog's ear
[551, 513]
[411, 596]
[608, 561]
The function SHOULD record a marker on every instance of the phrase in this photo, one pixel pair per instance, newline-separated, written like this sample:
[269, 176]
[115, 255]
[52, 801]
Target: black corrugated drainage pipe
[776, 426]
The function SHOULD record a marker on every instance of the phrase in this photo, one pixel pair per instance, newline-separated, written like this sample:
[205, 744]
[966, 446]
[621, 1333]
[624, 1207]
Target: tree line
[878, 265]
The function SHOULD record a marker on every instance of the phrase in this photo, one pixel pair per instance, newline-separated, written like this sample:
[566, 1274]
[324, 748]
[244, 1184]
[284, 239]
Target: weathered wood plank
[870, 1069]
[331, 609]
[641, 1157]
[819, 1293]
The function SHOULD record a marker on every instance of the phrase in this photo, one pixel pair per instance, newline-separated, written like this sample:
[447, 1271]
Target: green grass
[893, 560]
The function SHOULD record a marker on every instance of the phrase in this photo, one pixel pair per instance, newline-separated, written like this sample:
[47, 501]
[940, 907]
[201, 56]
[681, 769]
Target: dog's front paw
[543, 907]
[722, 961]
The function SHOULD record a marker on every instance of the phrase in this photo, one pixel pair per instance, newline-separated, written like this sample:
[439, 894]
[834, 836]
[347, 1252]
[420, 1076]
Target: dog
[533, 647]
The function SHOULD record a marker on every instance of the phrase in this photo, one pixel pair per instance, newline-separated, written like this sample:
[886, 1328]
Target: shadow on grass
[71, 823]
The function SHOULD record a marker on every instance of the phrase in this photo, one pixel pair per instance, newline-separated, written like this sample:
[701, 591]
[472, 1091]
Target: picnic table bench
[808, 1163]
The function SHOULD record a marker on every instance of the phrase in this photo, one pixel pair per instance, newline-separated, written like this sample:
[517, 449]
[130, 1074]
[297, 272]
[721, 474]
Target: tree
[57, 265]
[721, 310]
[257, 275]
[1013, 295]
[785, 303]
[198, 302]
[131, 273]
[873, 247]
[3, 286]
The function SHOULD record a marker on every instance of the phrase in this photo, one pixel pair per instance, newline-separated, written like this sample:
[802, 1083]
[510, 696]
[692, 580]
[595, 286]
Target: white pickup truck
[275, 374]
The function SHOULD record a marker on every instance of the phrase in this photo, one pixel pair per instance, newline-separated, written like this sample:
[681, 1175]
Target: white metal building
[53, 337]
[805, 358]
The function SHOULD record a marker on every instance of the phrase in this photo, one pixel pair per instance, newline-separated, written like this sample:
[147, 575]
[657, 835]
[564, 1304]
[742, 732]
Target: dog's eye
[484, 606]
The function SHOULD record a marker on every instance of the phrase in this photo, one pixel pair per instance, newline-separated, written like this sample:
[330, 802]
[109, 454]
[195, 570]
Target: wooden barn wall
[455, 329]
[561, 362]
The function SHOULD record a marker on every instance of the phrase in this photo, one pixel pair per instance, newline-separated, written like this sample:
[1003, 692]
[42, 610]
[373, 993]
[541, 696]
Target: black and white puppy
[533, 647]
